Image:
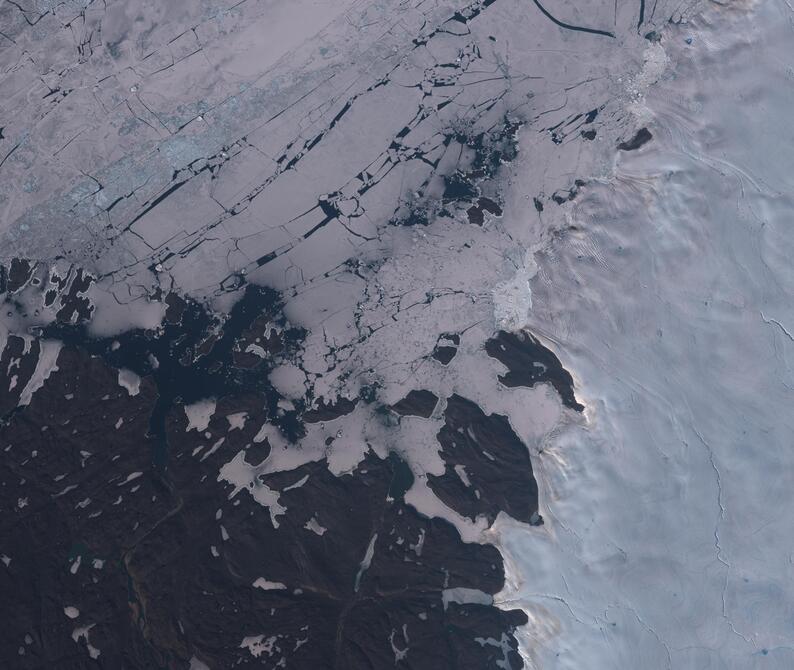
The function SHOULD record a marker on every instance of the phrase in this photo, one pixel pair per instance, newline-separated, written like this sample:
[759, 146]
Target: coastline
[373, 366]
[668, 287]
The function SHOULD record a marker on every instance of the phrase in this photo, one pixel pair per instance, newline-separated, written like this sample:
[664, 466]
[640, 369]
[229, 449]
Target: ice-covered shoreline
[324, 254]
[666, 542]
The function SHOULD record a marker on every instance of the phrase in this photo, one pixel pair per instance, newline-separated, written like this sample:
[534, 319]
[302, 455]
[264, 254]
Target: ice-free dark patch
[417, 403]
[19, 274]
[476, 212]
[475, 215]
[118, 543]
[490, 206]
[642, 136]
[257, 452]
[75, 306]
[458, 187]
[488, 469]
[416, 217]
[402, 479]
[18, 361]
[329, 411]
[446, 348]
[561, 197]
[176, 306]
[529, 363]
[194, 359]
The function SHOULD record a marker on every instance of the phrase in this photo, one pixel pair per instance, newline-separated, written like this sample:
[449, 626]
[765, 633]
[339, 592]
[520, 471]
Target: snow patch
[130, 381]
[199, 414]
[265, 585]
[82, 632]
[45, 366]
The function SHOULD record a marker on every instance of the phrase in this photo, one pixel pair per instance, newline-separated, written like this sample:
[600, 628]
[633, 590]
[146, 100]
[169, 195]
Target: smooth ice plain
[669, 534]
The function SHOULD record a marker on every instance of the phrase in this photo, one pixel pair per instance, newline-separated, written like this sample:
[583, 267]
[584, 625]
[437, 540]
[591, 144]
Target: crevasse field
[669, 534]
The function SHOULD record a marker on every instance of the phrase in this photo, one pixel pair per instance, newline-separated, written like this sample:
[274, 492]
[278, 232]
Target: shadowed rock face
[446, 348]
[641, 137]
[416, 403]
[17, 275]
[113, 507]
[529, 363]
[487, 467]
[329, 411]
[289, 216]
[18, 360]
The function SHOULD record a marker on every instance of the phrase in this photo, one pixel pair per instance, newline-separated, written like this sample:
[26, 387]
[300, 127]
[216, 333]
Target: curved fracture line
[569, 26]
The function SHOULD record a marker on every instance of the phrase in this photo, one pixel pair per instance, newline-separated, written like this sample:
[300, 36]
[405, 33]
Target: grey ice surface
[183, 144]
[189, 144]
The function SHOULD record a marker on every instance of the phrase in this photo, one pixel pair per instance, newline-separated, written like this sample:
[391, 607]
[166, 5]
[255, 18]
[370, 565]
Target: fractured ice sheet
[248, 150]
[408, 180]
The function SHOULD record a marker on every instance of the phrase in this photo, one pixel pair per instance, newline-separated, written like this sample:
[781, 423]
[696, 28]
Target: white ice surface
[244, 476]
[83, 632]
[130, 381]
[46, 364]
[196, 664]
[314, 526]
[465, 596]
[668, 535]
[199, 414]
[262, 583]
[259, 644]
